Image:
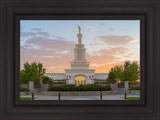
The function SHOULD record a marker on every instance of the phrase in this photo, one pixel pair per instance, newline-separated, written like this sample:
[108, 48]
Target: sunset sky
[51, 42]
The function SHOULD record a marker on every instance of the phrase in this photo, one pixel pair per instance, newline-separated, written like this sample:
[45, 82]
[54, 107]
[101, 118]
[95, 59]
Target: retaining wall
[79, 93]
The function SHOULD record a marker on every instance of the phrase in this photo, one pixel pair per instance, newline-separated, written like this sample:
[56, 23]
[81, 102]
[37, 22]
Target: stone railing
[79, 93]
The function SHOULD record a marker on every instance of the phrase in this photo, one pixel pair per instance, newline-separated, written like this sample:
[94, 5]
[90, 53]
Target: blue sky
[113, 41]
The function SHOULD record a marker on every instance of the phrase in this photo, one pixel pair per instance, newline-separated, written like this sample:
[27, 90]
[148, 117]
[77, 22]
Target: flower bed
[78, 93]
[87, 87]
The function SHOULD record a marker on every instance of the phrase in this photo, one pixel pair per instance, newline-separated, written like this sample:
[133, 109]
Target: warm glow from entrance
[80, 80]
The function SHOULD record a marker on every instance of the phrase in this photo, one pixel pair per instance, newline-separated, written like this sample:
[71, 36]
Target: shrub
[59, 83]
[47, 80]
[87, 87]
[24, 90]
[134, 88]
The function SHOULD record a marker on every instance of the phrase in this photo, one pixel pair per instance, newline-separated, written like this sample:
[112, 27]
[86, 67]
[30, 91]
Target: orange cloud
[116, 40]
[55, 53]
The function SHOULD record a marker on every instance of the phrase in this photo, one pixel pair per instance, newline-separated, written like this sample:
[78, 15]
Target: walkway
[106, 97]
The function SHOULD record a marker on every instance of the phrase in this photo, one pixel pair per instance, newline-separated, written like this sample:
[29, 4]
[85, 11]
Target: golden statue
[79, 29]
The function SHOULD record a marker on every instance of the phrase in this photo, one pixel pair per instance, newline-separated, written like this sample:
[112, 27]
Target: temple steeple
[79, 36]
[79, 54]
[79, 50]
[79, 66]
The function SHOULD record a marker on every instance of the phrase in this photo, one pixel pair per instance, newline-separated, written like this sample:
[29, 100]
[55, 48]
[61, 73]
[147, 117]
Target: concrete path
[106, 97]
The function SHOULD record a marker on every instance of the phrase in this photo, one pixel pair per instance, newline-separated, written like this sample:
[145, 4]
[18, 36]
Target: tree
[32, 72]
[135, 72]
[131, 72]
[23, 77]
[118, 71]
[47, 80]
[111, 77]
[114, 74]
[128, 72]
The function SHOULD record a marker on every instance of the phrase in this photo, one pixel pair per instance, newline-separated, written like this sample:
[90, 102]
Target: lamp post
[100, 95]
[59, 96]
[125, 95]
[32, 95]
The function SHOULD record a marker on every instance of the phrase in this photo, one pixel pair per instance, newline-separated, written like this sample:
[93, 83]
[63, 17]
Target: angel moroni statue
[79, 29]
[79, 36]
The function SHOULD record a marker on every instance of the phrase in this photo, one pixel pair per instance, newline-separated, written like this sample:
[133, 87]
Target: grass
[132, 98]
[26, 98]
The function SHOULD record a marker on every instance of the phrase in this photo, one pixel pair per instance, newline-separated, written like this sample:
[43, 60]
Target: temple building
[79, 72]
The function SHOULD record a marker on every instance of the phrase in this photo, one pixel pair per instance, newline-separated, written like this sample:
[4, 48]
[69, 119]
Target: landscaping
[26, 98]
[24, 90]
[88, 87]
[132, 98]
[134, 88]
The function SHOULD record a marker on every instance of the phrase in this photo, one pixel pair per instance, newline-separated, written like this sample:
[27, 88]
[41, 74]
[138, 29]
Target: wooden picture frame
[11, 108]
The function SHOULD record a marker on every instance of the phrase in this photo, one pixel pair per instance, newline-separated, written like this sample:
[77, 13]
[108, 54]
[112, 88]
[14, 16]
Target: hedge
[87, 87]
[134, 88]
[24, 90]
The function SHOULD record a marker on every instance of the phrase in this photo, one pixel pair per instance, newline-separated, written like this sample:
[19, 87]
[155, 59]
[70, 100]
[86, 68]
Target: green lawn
[132, 98]
[26, 98]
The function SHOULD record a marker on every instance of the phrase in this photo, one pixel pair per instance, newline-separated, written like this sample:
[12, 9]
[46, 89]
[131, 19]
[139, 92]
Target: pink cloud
[116, 40]
[28, 34]
[112, 51]
[46, 34]
[49, 59]
[50, 52]
[57, 53]
[60, 57]
[54, 44]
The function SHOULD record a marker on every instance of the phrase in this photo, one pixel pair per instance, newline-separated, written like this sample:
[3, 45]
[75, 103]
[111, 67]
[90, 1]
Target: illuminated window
[80, 79]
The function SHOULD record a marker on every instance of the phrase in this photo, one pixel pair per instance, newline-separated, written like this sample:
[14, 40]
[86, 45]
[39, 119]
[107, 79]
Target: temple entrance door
[80, 80]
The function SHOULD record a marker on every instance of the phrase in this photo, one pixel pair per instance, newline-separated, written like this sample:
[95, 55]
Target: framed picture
[74, 61]
[113, 72]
